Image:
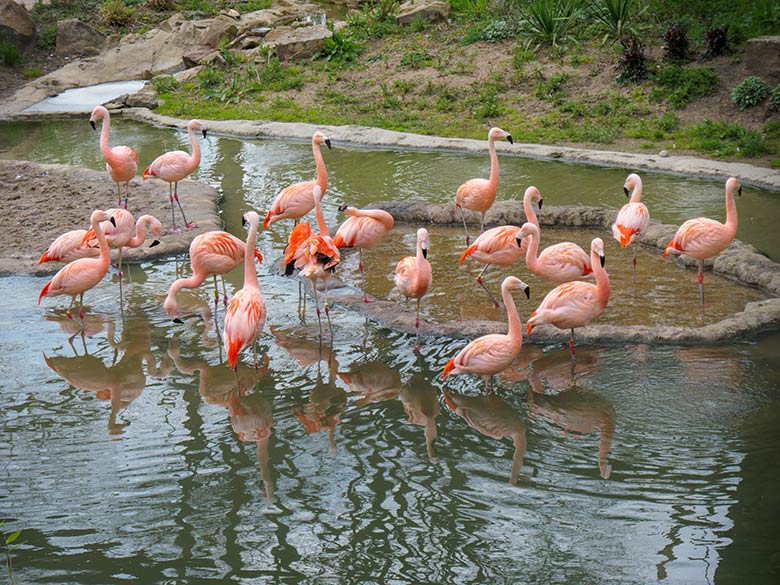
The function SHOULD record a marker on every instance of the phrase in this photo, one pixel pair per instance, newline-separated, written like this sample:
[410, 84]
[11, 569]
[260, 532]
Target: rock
[173, 23]
[78, 38]
[430, 10]
[220, 28]
[762, 58]
[291, 43]
[197, 56]
[250, 39]
[145, 97]
[232, 13]
[187, 74]
[663, 153]
[16, 24]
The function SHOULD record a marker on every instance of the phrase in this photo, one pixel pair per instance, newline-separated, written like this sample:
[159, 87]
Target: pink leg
[187, 224]
[571, 346]
[487, 290]
[701, 280]
[173, 215]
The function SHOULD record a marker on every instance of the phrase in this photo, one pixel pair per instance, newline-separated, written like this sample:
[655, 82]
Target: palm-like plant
[617, 16]
[549, 21]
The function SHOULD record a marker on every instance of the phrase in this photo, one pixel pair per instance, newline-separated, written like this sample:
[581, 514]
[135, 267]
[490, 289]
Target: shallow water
[83, 99]
[129, 454]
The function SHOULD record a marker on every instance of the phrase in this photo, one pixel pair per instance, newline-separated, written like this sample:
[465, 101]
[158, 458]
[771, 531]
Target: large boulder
[297, 42]
[762, 58]
[16, 24]
[430, 10]
[220, 28]
[198, 56]
[78, 38]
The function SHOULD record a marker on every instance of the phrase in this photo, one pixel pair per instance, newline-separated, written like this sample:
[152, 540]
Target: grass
[681, 85]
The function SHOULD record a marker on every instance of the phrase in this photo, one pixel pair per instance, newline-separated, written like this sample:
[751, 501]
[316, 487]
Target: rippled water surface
[131, 453]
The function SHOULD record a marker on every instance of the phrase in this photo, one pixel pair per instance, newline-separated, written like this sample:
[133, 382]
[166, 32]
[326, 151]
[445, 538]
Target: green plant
[416, 58]
[389, 100]
[165, 84]
[682, 85]
[339, 47]
[161, 4]
[470, 9]
[499, 30]
[32, 72]
[717, 40]
[750, 92]
[230, 57]
[774, 99]
[549, 21]
[8, 546]
[616, 16]
[676, 44]
[209, 77]
[633, 61]
[725, 139]
[253, 5]
[47, 39]
[9, 53]
[522, 53]
[115, 13]
[553, 88]
[668, 122]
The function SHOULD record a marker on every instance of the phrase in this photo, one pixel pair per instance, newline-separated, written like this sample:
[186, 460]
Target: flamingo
[503, 245]
[121, 161]
[245, 315]
[702, 238]
[68, 247]
[413, 275]
[214, 253]
[173, 166]
[297, 200]
[314, 255]
[491, 354]
[479, 194]
[81, 275]
[560, 262]
[363, 229]
[633, 217]
[574, 304]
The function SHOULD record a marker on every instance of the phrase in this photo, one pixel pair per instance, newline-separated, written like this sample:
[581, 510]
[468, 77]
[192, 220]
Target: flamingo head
[532, 194]
[319, 139]
[250, 218]
[155, 226]
[98, 113]
[498, 133]
[733, 186]
[348, 210]
[514, 283]
[172, 308]
[597, 246]
[527, 230]
[631, 181]
[197, 125]
[422, 241]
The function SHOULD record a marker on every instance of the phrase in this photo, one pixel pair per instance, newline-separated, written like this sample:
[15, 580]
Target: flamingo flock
[314, 255]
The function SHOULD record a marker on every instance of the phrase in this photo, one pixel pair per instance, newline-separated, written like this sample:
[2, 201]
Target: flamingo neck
[531, 253]
[195, 148]
[381, 216]
[731, 212]
[515, 327]
[322, 172]
[636, 194]
[423, 268]
[250, 269]
[320, 218]
[193, 281]
[105, 130]
[141, 225]
[105, 252]
[493, 163]
[528, 209]
[602, 278]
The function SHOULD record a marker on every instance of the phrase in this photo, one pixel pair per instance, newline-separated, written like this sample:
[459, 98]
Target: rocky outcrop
[78, 38]
[16, 24]
[762, 58]
[297, 42]
[428, 10]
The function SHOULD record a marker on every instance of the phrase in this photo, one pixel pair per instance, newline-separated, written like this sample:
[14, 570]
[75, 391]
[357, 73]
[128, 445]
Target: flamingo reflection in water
[375, 380]
[421, 404]
[251, 417]
[494, 418]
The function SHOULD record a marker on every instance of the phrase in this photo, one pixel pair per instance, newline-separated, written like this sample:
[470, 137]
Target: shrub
[499, 30]
[339, 47]
[548, 21]
[750, 92]
[682, 85]
[47, 40]
[633, 61]
[115, 13]
[9, 53]
[32, 72]
[522, 53]
[717, 40]
[616, 15]
[676, 44]
[774, 99]
[165, 84]
[416, 58]
[161, 4]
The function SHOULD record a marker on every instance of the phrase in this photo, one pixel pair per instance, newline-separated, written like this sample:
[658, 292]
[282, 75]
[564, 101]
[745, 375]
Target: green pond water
[129, 455]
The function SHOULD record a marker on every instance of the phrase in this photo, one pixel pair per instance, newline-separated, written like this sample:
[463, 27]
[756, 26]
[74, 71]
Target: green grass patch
[680, 85]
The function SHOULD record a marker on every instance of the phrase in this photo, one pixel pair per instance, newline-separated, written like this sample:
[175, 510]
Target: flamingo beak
[204, 133]
[540, 202]
[425, 253]
[527, 292]
[603, 260]
[327, 143]
[112, 220]
[739, 191]
[92, 123]
[177, 320]
[154, 243]
[343, 207]
[509, 139]
[243, 221]
[625, 190]
[519, 241]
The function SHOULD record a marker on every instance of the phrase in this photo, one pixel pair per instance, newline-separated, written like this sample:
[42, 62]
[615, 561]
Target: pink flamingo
[173, 166]
[214, 253]
[245, 315]
[81, 275]
[633, 218]
[413, 275]
[491, 354]
[314, 255]
[297, 200]
[503, 245]
[574, 304]
[363, 229]
[68, 247]
[479, 194]
[558, 263]
[121, 161]
[702, 238]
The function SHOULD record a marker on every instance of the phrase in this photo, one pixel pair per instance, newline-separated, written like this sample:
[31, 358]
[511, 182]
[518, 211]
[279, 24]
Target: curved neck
[193, 281]
[531, 253]
[195, 146]
[423, 268]
[528, 209]
[250, 270]
[105, 130]
[636, 194]
[105, 252]
[602, 278]
[515, 327]
[322, 172]
[320, 218]
[731, 212]
[493, 163]
[141, 225]
[381, 216]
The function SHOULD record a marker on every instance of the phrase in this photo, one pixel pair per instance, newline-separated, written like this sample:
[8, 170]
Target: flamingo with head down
[121, 161]
[560, 262]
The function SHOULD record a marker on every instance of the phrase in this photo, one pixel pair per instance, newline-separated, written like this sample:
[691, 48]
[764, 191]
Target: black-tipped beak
[204, 133]
[625, 190]
[327, 143]
[112, 220]
[154, 243]
[509, 139]
[527, 292]
[92, 123]
[519, 242]
[540, 202]
[243, 221]
[739, 191]
[603, 260]
[425, 253]
[177, 320]
[343, 207]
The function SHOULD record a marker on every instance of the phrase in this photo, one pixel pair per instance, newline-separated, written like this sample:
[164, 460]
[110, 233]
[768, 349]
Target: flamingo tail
[267, 221]
[233, 348]
[149, 173]
[44, 257]
[625, 235]
[469, 251]
[672, 247]
[44, 291]
[531, 323]
[448, 368]
[258, 256]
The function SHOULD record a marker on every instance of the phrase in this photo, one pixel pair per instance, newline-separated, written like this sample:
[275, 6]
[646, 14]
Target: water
[83, 99]
[129, 455]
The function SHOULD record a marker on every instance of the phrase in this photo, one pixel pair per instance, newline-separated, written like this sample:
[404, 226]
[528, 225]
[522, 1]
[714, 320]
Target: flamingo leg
[417, 323]
[482, 222]
[571, 346]
[119, 196]
[81, 309]
[216, 296]
[487, 290]
[68, 314]
[701, 280]
[317, 302]
[254, 351]
[127, 193]
[489, 384]
[362, 275]
[173, 215]
[327, 309]
[636, 245]
[187, 224]
[224, 292]
[465, 227]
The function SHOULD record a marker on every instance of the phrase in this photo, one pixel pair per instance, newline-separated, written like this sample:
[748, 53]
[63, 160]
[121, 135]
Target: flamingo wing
[475, 194]
[292, 202]
[68, 247]
[486, 355]
[566, 258]
[700, 238]
[171, 166]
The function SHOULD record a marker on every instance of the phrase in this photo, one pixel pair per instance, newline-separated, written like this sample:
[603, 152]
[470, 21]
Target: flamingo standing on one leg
[121, 161]
[560, 262]
[702, 238]
[173, 166]
[81, 275]
[297, 200]
[68, 247]
[245, 315]
[633, 217]
[574, 304]
[491, 354]
[314, 255]
[479, 194]
[413, 275]
[363, 229]
[214, 253]
[502, 245]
